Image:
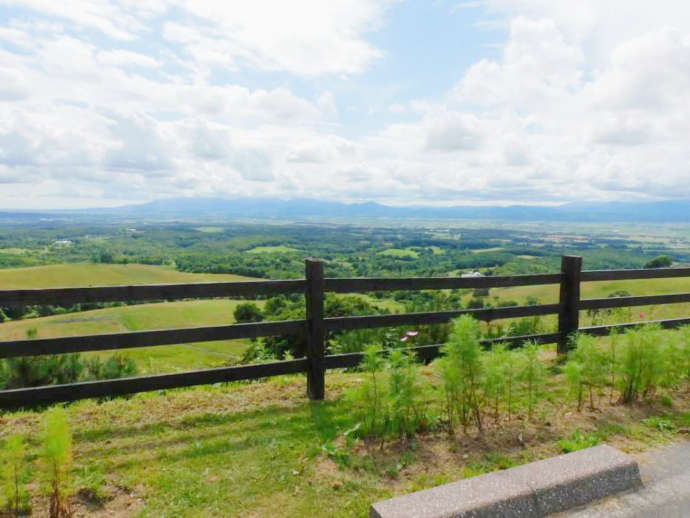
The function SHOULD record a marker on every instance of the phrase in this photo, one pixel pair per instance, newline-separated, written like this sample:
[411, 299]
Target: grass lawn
[166, 358]
[261, 449]
[94, 274]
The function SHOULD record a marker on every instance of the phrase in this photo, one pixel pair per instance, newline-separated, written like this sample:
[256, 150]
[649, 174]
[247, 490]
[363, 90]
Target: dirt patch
[116, 502]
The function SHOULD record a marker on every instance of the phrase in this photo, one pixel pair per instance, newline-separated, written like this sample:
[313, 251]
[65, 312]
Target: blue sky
[403, 102]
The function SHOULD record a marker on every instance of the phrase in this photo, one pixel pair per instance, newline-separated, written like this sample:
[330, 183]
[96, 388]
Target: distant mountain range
[313, 210]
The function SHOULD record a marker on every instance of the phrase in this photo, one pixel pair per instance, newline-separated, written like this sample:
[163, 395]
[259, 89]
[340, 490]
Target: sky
[429, 102]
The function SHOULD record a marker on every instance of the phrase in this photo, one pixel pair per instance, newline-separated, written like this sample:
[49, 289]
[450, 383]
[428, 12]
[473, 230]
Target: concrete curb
[535, 489]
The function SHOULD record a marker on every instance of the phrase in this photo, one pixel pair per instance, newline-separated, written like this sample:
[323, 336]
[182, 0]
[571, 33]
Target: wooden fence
[314, 328]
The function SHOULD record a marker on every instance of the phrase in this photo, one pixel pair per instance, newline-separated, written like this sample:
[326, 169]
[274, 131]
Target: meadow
[98, 274]
[150, 360]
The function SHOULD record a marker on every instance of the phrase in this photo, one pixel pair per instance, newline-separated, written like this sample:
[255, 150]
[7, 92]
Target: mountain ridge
[304, 208]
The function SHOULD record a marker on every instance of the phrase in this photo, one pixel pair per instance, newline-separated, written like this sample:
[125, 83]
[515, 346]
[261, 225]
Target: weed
[663, 424]
[578, 441]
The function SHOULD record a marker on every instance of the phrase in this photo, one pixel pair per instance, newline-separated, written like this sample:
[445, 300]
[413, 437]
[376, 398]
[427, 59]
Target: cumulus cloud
[98, 105]
[453, 132]
[253, 164]
[306, 37]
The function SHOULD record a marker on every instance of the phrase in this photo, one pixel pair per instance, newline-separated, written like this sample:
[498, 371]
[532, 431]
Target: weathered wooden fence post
[316, 331]
[569, 315]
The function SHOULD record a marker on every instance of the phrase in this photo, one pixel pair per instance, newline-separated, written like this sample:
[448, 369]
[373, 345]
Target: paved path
[666, 476]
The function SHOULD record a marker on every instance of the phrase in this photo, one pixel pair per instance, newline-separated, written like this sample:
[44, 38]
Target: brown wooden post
[316, 331]
[569, 300]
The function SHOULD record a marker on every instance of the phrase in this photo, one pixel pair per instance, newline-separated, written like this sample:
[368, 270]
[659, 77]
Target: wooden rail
[314, 327]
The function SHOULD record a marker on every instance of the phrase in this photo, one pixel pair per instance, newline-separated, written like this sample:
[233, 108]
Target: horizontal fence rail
[437, 283]
[631, 275]
[203, 290]
[118, 387]
[436, 317]
[627, 302]
[315, 327]
[104, 342]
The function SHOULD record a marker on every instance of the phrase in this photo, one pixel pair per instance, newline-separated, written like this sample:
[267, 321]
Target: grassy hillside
[93, 274]
[261, 449]
[167, 358]
[549, 294]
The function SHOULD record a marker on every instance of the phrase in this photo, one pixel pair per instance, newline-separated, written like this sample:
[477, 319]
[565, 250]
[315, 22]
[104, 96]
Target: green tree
[248, 312]
[662, 261]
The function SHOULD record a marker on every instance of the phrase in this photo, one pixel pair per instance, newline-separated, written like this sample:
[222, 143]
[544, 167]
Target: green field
[548, 294]
[271, 249]
[400, 252]
[94, 274]
[159, 359]
[484, 250]
[130, 318]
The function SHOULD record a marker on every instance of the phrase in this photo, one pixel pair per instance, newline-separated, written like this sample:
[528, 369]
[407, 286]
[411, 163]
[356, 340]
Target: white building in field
[63, 242]
[472, 274]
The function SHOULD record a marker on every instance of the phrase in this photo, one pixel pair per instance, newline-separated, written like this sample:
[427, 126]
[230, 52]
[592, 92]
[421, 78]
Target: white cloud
[453, 132]
[577, 104]
[307, 37]
[126, 58]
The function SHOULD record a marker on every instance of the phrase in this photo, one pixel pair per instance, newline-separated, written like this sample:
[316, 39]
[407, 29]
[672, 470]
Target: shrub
[57, 461]
[36, 371]
[13, 475]
[116, 366]
[248, 312]
[662, 261]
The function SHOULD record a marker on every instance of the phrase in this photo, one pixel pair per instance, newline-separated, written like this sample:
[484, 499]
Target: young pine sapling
[371, 391]
[532, 374]
[461, 370]
[13, 471]
[57, 461]
[494, 377]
